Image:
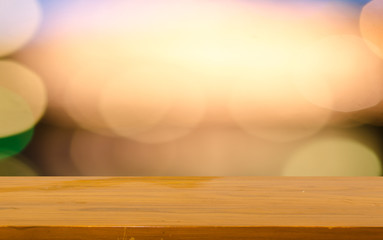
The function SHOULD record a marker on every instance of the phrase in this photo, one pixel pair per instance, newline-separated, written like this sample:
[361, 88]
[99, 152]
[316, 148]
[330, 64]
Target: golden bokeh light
[82, 96]
[135, 102]
[265, 103]
[333, 156]
[340, 73]
[19, 20]
[220, 47]
[23, 98]
[185, 113]
[174, 102]
[195, 87]
[16, 115]
[371, 25]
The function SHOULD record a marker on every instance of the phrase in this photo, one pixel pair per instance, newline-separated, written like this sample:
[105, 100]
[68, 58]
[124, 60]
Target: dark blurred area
[191, 87]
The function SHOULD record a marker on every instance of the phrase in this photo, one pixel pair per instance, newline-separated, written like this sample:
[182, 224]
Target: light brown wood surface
[170, 208]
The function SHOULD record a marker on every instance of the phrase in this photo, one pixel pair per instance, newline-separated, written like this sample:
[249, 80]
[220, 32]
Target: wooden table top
[134, 208]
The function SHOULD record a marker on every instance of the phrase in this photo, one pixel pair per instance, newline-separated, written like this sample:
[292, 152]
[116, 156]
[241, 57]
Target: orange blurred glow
[266, 104]
[273, 110]
[371, 25]
[198, 87]
[187, 110]
[163, 43]
[340, 73]
[135, 103]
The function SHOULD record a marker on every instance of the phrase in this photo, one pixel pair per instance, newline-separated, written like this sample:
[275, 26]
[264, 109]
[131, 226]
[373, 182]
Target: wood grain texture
[172, 208]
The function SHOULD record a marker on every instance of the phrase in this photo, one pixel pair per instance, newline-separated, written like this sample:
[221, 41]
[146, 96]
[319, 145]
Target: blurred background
[191, 87]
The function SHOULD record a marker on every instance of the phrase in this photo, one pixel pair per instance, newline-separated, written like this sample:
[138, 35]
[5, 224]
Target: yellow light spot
[15, 114]
[23, 98]
[266, 104]
[333, 157]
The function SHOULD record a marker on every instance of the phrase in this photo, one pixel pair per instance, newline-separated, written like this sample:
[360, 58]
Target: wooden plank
[170, 208]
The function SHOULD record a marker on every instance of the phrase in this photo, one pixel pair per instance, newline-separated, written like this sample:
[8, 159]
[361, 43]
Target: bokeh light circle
[16, 115]
[185, 113]
[83, 93]
[19, 20]
[23, 98]
[266, 103]
[274, 111]
[340, 73]
[135, 101]
[333, 157]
